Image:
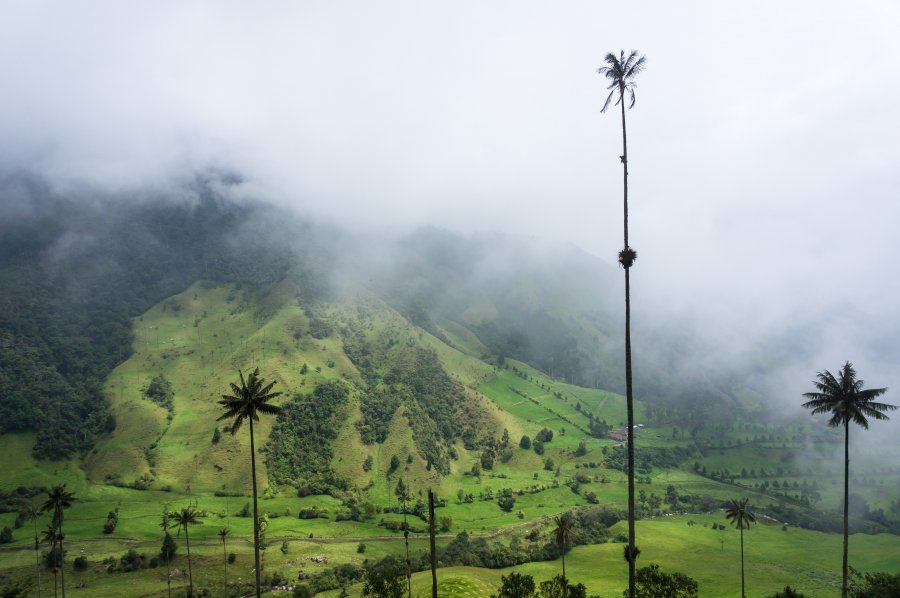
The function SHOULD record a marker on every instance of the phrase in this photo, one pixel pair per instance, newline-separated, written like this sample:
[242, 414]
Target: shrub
[80, 563]
[545, 435]
[516, 585]
[507, 503]
[650, 582]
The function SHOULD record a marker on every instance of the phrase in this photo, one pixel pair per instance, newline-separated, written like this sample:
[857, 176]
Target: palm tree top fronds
[845, 398]
[183, 518]
[739, 514]
[223, 533]
[621, 72]
[51, 535]
[248, 399]
[564, 530]
[58, 498]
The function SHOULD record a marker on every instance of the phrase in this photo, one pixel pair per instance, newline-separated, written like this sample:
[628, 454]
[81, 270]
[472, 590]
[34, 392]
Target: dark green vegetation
[73, 274]
[418, 376]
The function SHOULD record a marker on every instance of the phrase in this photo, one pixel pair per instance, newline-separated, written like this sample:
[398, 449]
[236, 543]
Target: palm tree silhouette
[223, 533]
[621, 72]
[182, 519]
[166, 549]
[32, 512]
[247, 401]
[846, 400]
[52, 537]
[562, 535]
[740, 516]
[58, 499]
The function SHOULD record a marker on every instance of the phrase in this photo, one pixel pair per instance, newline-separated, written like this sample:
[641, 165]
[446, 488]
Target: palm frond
[845, 398]
[236, 425]
[606, 103]
[248, 399]
[635, 67]
[269, 409]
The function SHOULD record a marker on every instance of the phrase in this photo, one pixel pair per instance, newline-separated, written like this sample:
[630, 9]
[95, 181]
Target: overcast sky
[764, 145]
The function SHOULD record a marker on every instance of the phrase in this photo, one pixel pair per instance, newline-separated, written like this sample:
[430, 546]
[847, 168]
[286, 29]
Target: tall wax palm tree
[183, 519]
[32, 512]
[740, 515]
[166, 550]
[51, 537]
[621, 73]
[562, 536]
[402, 492]
[58, 499]
[846, 400]
[223, 533]
[247, 401]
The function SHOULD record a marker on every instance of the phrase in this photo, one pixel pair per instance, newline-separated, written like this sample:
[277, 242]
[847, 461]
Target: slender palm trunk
[187, 541]
[629, 397]
[565, 582]
[846, 503]
[37, 555]
[62, 558]
[743, 592]
[225, 561]
[434, 584]
[255, 509]
[168, 570]
[406, 541]
[55, 579]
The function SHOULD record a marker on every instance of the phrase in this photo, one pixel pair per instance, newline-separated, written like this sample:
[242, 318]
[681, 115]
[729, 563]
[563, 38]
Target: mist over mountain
[75, 268]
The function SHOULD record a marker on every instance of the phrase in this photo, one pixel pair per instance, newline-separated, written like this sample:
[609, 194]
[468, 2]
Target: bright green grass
[808, 561]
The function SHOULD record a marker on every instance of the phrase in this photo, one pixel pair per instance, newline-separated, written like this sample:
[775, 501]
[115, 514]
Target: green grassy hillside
[474, 411]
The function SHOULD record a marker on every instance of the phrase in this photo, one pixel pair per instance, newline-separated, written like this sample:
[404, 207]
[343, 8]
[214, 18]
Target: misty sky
[764, 145]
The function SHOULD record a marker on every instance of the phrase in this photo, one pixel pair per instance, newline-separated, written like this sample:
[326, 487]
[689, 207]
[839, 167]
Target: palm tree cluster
[58, 500]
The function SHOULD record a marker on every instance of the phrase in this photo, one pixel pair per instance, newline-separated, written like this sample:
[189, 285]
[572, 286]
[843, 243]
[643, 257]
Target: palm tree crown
[845, 398]
[621, 73]
[183, 518]
[739, 514]
[564, 531]
[247, 400]
[57, 500]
